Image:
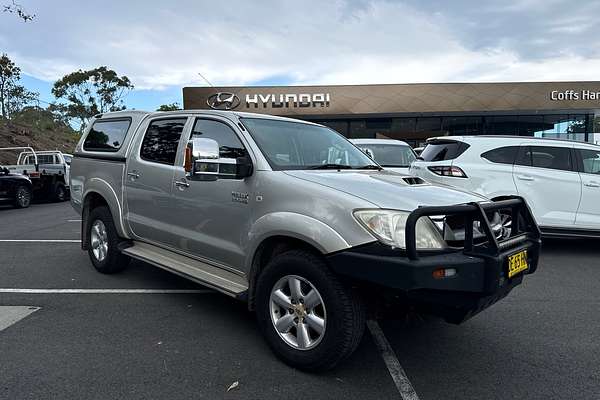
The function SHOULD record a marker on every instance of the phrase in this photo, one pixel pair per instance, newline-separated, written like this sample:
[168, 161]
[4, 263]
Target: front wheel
[104, 240]
[308, 317]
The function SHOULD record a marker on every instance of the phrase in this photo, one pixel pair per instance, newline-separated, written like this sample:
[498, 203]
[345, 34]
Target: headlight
[389, 227]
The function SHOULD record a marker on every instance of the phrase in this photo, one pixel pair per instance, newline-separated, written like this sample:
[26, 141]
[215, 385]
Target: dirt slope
[13, 134]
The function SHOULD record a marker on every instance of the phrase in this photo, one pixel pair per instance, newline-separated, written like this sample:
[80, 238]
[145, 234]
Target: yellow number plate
[517, 263]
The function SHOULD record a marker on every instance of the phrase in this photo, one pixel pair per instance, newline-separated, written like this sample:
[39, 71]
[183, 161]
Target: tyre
[59, 192]
[103, 247]
[309, 318]
[23, 196]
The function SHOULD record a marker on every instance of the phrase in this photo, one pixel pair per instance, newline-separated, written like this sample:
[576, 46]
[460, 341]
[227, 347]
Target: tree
[18, 98]
[169, 107]
[83, 94]
[15, 8]
[13, 97]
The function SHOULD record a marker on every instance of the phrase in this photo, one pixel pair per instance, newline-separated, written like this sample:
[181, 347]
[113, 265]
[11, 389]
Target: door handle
[133, 174]
[592, 184]
[182, 184]
[525, 177]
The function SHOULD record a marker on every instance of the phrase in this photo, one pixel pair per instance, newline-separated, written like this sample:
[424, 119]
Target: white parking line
[391, 361]
[73, 220]
[41, 240]
[12, 314]
[103, 291]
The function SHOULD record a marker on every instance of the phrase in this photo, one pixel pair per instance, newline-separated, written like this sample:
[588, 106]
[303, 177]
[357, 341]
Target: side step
[198, 271]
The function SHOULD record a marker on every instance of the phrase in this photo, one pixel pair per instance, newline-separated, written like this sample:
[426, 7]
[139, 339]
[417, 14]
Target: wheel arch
[266, 250]
[97, 197]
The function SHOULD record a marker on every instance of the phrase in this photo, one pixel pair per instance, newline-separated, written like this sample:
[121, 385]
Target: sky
[162, 46]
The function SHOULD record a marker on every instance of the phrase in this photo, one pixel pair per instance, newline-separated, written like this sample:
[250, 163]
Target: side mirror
[202, 160]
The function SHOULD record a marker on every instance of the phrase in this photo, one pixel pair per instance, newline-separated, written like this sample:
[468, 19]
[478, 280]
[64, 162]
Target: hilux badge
[238, 197]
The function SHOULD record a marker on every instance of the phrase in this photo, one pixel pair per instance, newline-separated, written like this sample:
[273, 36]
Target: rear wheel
[104, 240]
[59, 192]
[308, 317]
[22, 197]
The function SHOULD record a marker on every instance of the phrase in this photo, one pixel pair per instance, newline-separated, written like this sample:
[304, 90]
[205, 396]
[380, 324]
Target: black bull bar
[523, 225]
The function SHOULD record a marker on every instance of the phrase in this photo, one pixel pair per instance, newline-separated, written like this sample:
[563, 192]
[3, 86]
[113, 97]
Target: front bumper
[481, 276]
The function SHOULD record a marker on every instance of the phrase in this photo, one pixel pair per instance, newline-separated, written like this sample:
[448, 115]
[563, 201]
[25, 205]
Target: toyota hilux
[295, 220]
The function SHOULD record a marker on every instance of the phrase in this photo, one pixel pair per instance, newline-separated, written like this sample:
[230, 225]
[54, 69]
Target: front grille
[453, 229]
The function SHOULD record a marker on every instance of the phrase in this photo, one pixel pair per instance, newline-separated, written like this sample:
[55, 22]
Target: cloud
[160, 44]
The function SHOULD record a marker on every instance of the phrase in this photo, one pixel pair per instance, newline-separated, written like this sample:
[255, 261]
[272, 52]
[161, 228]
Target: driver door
[211, 215]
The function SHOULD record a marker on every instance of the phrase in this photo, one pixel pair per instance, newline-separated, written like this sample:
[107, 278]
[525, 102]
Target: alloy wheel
[298, 312]
[23, 197]
[99, 240]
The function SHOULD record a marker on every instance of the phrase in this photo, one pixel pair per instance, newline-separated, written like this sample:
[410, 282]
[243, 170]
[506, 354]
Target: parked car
[48, 171]
[560, 179]
[418, 150]
[15, 189]
[293, 219]
[394, 155]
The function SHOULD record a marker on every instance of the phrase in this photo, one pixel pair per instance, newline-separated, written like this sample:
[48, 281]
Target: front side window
[106, 135]
[161, 140]
[295, 145]
[390, 155]
[230, 145]
[443, 150]
[591, 160]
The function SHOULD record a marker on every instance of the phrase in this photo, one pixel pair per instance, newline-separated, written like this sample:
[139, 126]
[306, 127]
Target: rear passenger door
[149, 179]
[588, 215]
[546, 177]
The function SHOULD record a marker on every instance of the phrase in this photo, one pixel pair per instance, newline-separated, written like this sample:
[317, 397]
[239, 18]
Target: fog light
[442, 273]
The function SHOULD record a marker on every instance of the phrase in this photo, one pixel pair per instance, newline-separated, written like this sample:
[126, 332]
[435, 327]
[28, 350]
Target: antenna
[207, 81]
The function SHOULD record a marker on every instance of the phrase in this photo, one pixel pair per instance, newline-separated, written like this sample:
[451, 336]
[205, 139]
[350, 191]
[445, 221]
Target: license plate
[517, 263]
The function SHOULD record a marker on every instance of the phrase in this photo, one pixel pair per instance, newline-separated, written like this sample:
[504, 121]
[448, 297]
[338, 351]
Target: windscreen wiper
[370, 166]
[330, 166]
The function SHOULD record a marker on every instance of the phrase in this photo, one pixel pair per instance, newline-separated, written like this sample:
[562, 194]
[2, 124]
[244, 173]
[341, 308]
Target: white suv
[560, 179]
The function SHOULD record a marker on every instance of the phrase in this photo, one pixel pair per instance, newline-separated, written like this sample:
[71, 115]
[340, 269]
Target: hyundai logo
[223, 101]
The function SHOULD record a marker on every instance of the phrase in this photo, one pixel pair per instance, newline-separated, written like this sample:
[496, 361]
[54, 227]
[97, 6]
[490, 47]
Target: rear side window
[502, 155]
[591, 160]
[106, 135]
[161, 140]
[442, 150]
[546, 157]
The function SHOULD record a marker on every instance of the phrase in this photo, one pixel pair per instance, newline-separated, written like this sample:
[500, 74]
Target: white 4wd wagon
[559, 179]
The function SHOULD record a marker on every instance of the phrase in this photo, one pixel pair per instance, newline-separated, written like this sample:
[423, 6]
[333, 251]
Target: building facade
[415, 112]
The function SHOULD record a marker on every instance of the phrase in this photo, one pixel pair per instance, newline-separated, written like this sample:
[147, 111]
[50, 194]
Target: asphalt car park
[146, 333]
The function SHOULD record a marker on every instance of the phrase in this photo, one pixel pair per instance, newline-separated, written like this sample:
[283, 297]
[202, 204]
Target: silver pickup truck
[292, 218]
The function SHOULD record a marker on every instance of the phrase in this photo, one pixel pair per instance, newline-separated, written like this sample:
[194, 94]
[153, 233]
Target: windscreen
[388, 155]
[295, 145]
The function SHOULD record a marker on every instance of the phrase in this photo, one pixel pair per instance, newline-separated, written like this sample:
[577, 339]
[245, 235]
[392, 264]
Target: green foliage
[83, 94]
[169, 107]
[41, 119]
[13, 97]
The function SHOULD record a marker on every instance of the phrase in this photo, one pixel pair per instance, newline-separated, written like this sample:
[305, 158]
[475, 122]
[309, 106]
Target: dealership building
[415, 112]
